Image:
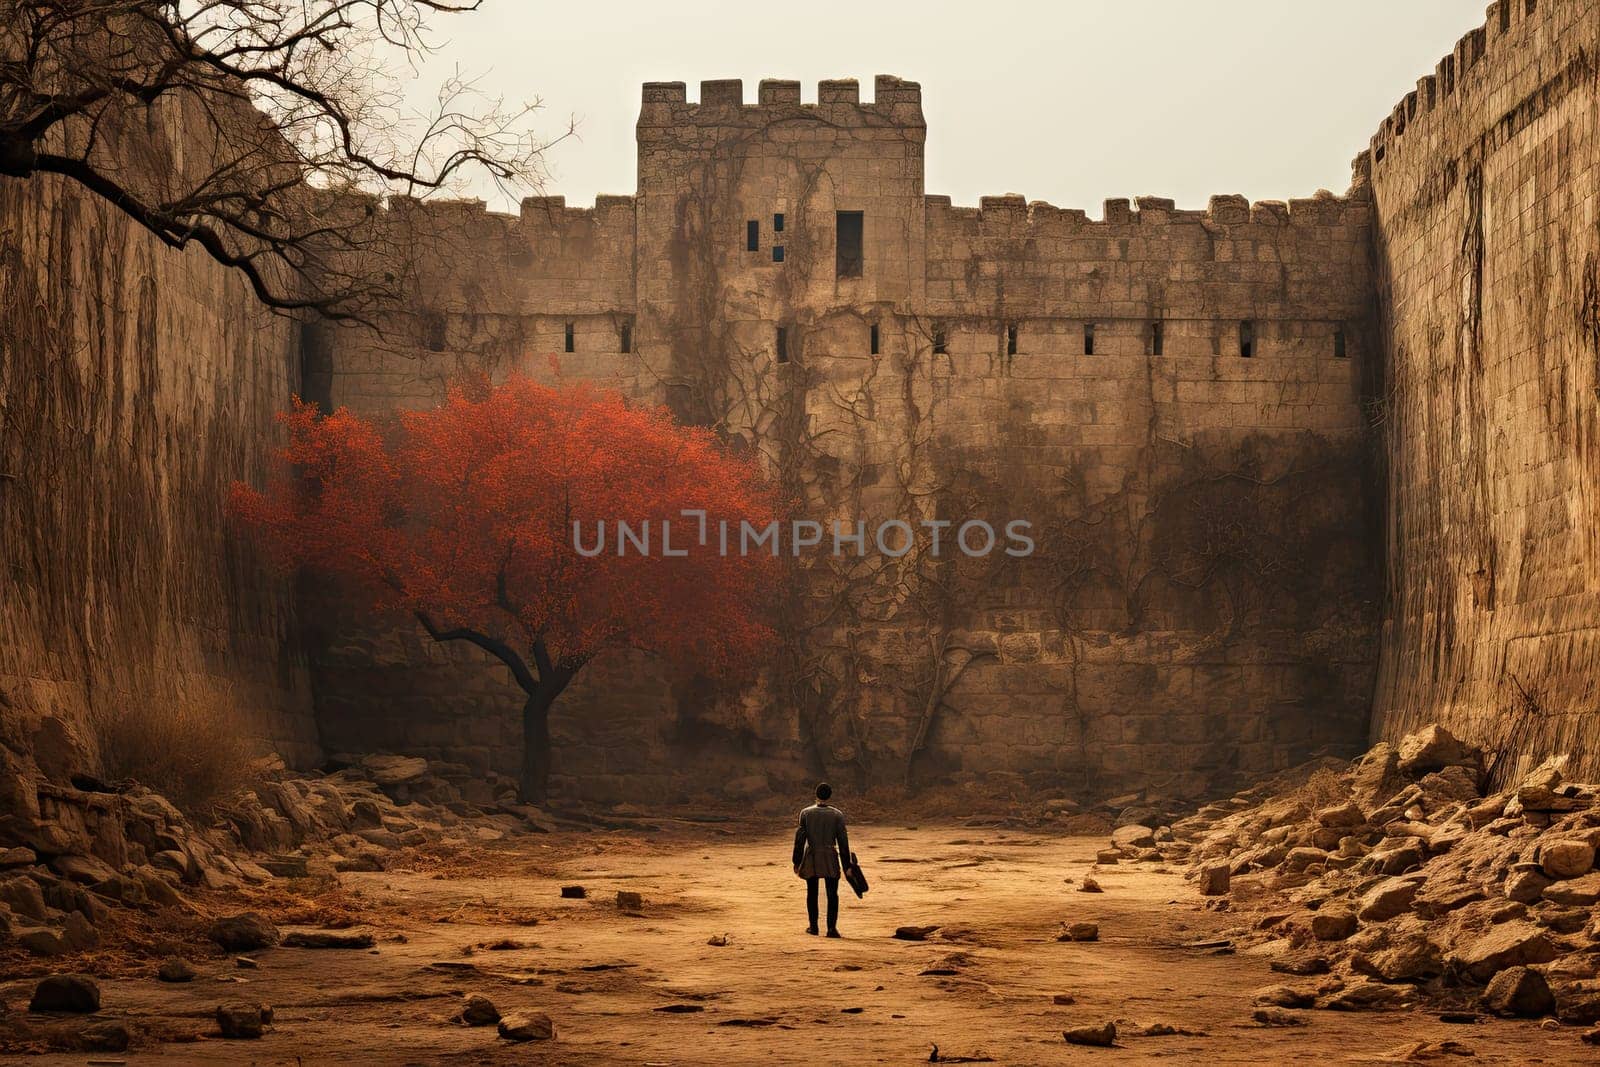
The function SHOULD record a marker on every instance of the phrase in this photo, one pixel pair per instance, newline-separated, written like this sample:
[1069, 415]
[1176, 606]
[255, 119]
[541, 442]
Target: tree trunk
[535, 785]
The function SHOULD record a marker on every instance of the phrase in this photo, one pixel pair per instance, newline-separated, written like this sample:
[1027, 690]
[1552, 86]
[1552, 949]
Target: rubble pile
[1394, 881]
[70, 853]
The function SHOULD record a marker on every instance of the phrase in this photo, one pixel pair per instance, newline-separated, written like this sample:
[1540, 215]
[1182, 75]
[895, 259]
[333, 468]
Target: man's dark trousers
[833, 901]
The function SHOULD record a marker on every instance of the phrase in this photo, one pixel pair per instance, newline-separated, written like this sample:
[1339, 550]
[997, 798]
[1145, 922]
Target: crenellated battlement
[722, 102]
[1040, 218]
[1485, 55]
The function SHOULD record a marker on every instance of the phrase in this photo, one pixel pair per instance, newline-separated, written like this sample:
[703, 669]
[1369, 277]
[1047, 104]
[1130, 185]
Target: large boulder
[1433, 748]
[1388, 898]
[244, 932]
[1333, 924]
[1566, 858]
[1514, 943]
[1518, 991]
[76, 993]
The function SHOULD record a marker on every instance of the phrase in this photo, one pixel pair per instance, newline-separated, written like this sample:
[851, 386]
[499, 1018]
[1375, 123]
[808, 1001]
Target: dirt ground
[649, 988]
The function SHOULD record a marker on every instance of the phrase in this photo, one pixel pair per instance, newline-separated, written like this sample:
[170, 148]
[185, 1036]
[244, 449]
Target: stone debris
[327, 939]
[243, 1021]
[573, 892]
[478, 1010]
[913, 933]
[174, 969]
[1080, 931]
[1102, 1035]
[527, 1026]
[1413, 885]
[76, 993]
[1090, 885]
[244, 932]
[629, 900]
[70, 853]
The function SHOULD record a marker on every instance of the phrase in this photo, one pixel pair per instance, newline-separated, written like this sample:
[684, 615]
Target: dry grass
[1324, 789]
[195, 751]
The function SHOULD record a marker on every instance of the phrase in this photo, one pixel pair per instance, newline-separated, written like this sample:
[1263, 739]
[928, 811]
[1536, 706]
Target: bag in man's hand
[853, 875]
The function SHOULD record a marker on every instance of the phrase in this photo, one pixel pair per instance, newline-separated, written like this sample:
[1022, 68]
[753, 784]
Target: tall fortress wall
[1171, 397]
[1486, 206]
[136, 383]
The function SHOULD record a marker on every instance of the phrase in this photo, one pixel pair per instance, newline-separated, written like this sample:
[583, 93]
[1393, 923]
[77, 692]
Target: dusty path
[773, 995]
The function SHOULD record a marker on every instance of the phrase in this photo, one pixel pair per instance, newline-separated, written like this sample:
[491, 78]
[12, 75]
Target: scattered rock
[1277, 1017]
[1301, 966]
[1566, 858]
[913, 933]
[1388, 899]
[1063, 999]
[1519, 992]
[1433, 748]
[17, 857]
[1509, 944]
[1576, 892]
[244, 932]
[1367, 996]
[1214, 879]
[1526, 886]
[1133, 836]
[1080, 931]
[77, 993]
[79, 934]
[1282, 996]
[1090, 885]
[243, 1021]
[175, 969]
[1103, 1035]
[574, 892]
[42, 942]
[108, 1036]
[478, 1010]
[1333, 924]
[327, 939]
[527, 1026]
[389, 770]
[628, 900]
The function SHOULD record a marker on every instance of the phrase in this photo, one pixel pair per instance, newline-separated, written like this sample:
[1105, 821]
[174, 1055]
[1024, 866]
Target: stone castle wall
[1486, 184]
[136, 383]
[1202, 600]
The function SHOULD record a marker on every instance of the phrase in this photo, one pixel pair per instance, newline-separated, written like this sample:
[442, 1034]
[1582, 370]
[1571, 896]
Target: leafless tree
[263, 131]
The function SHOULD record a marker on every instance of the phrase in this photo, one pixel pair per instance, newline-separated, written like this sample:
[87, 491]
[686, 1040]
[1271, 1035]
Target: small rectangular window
[777, 223]
[1088, 338]
[752, 236]
[626, 338]
[1157, 338]
[847, 233]
[938, 341]
[433, 331]
[1247, 338]
[1338, 343]
[874, 338]
[782, 344]
[569, 337]
[777, 253]
[1011, 339]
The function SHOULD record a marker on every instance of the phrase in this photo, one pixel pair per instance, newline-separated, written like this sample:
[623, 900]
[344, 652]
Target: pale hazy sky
[1070, 102]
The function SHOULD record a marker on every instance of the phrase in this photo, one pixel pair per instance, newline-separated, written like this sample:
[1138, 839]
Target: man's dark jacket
[821, 828]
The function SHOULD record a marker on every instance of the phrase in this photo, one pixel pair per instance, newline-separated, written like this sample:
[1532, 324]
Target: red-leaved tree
[463, 516]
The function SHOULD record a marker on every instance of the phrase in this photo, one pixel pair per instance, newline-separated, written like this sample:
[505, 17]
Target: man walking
[815, 858]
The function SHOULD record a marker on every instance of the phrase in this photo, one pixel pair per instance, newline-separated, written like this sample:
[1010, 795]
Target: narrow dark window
[777, 223]
[1157, 338]
[783, 344]
[1088, 338]
[847, 233]
[1011, 339]
[433, 331]
[938, 341]
[874, 338]
[569, 338]
[752, 236]
[777, 253]
[1247, 339]
[1338, 343]
[626, 338]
